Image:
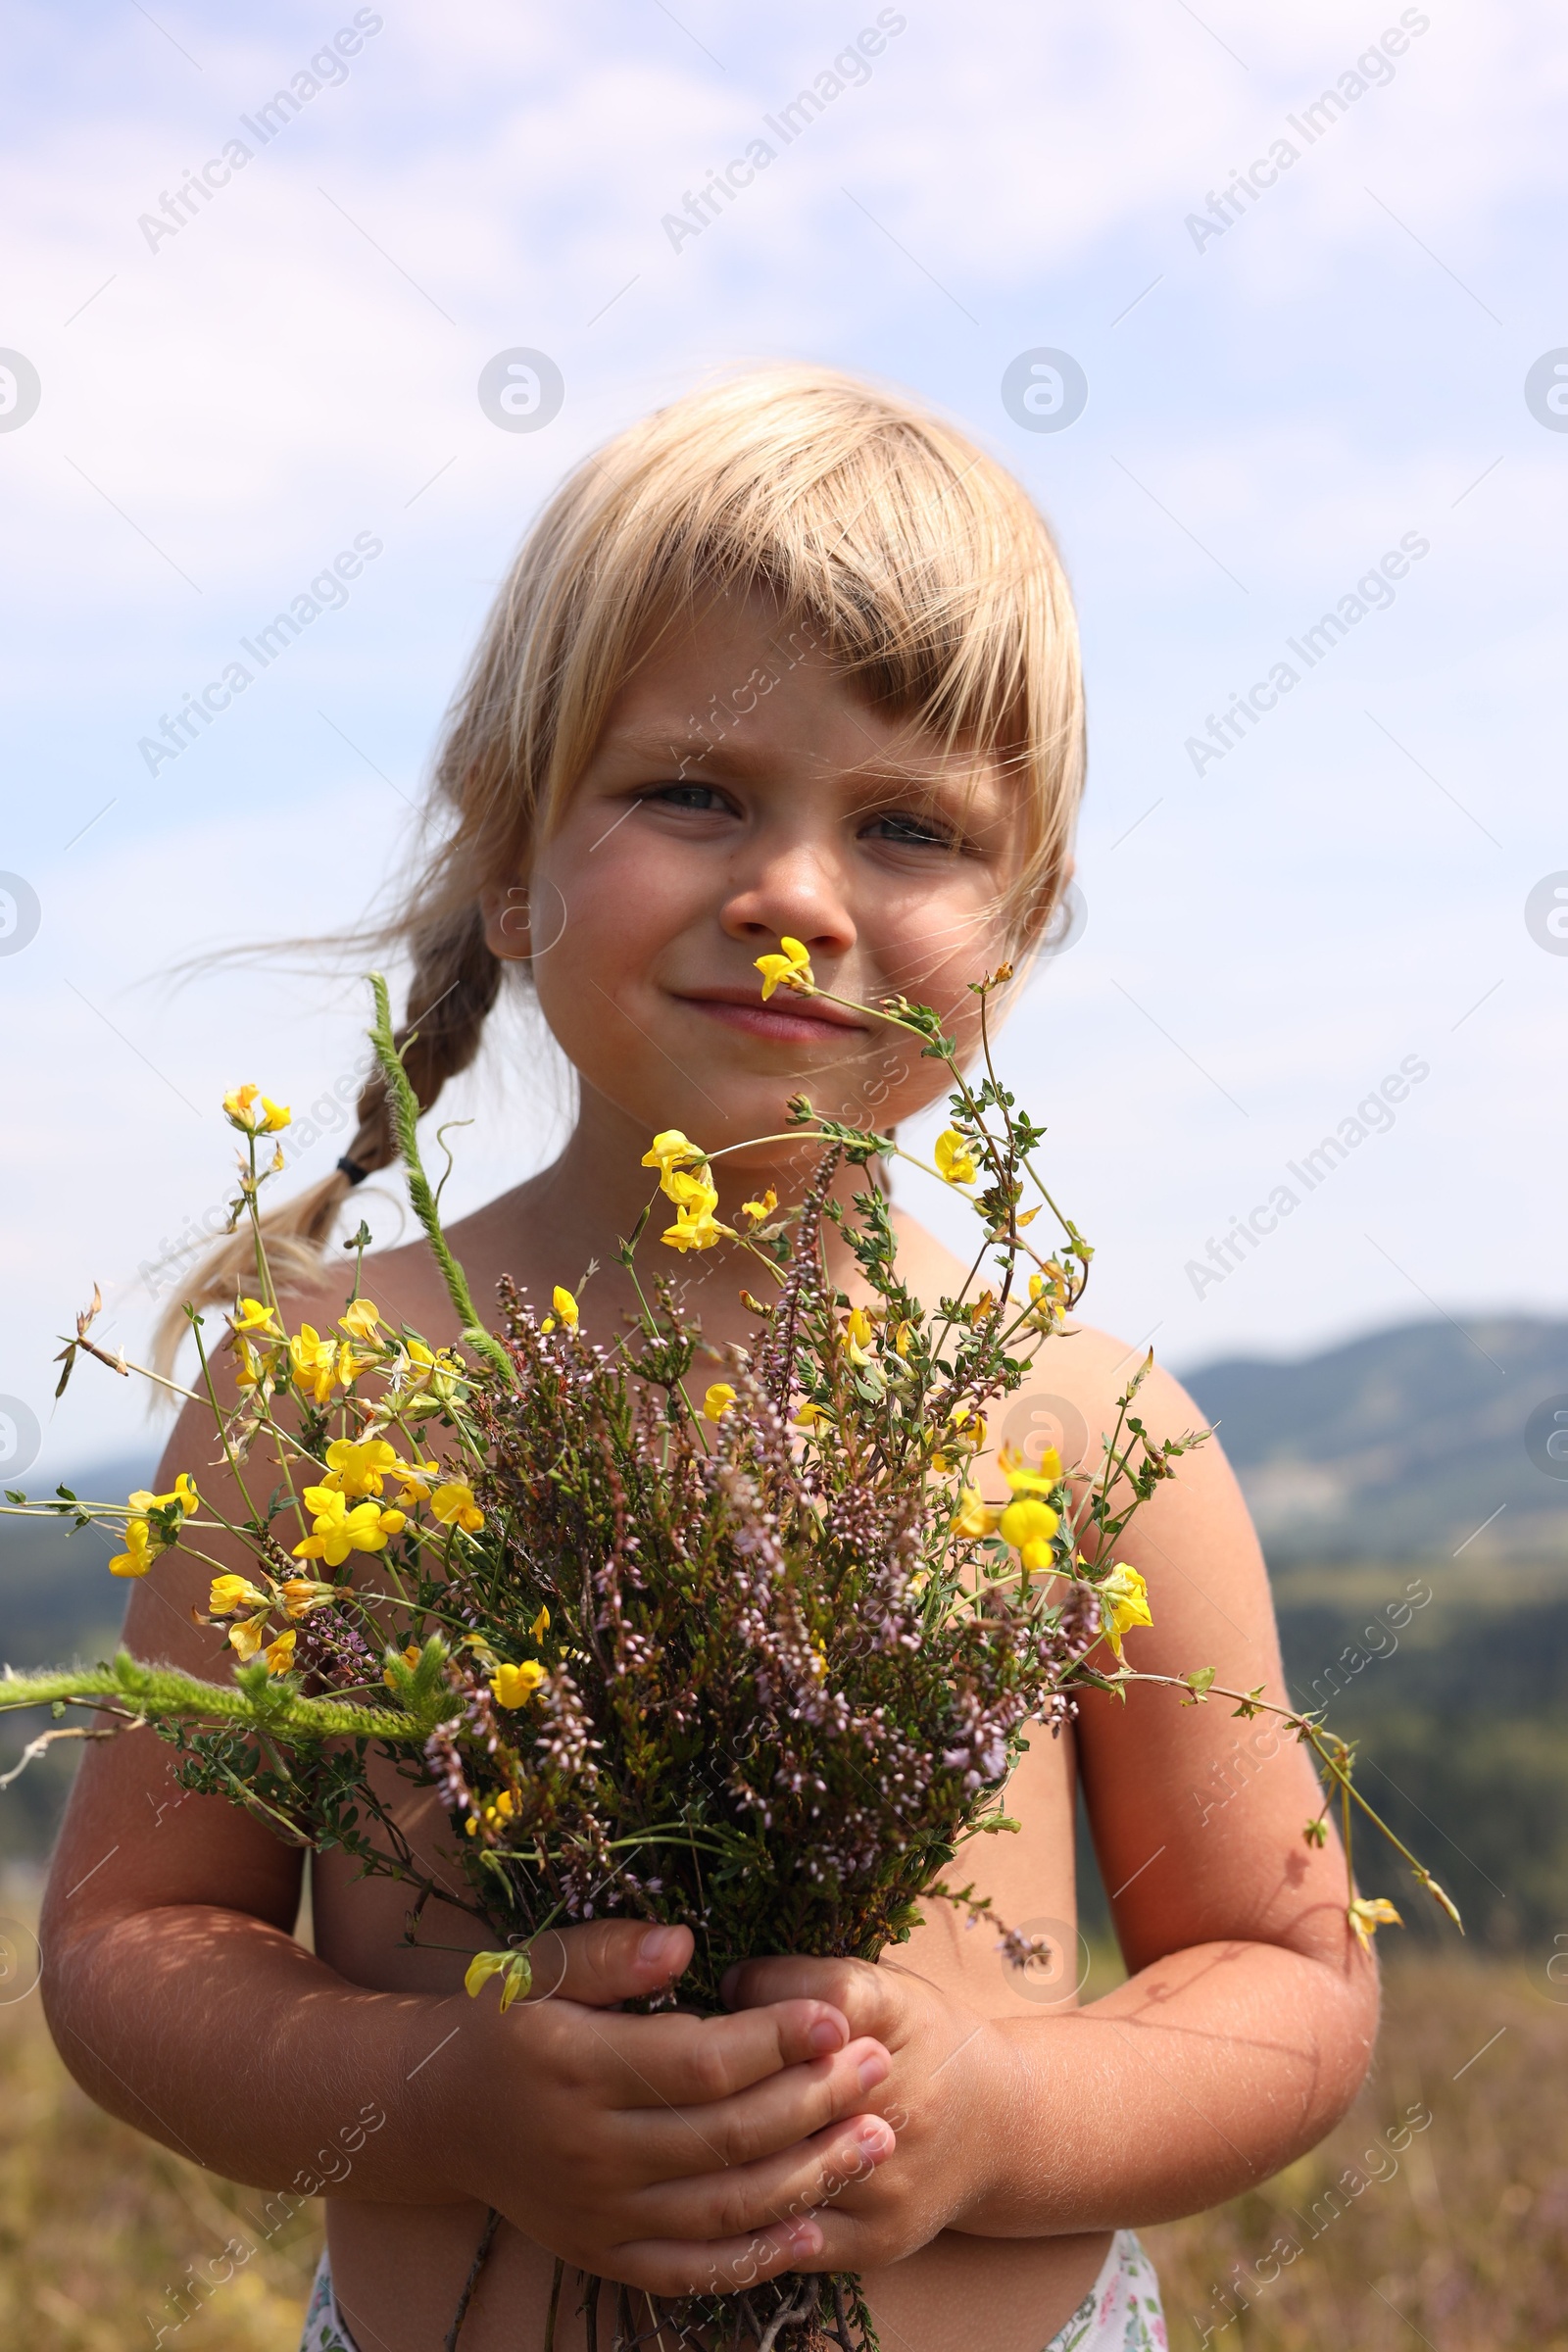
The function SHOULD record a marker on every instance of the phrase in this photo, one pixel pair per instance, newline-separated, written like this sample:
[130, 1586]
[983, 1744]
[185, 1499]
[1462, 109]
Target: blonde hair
[915, 562]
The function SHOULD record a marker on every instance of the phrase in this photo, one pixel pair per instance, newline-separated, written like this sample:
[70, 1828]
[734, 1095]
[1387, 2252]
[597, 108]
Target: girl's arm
[1247, 2024]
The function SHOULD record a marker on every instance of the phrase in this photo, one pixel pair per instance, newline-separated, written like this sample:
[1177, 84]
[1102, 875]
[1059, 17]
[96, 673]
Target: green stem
[234, 1471]
[1308, 1730]
[406, 1120]
[165, 1693]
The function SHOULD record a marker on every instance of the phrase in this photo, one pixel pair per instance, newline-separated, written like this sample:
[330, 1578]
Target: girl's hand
[672, 2152]
[952, 2082]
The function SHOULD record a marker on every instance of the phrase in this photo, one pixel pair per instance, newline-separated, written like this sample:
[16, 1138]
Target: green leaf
[1198, 1684]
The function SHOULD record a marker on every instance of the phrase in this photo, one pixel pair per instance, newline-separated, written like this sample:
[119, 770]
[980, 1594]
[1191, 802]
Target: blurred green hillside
[1415, 1517]
[1406, 1443]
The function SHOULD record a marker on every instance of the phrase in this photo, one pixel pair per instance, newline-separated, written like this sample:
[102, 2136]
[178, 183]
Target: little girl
[789, 659]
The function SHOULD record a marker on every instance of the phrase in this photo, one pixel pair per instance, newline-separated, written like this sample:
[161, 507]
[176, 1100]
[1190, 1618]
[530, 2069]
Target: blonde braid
[454, 984]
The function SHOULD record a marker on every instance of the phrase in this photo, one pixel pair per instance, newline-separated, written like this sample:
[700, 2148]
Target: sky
[241, 339]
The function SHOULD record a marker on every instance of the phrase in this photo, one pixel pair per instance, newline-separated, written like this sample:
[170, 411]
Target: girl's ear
[507, 922]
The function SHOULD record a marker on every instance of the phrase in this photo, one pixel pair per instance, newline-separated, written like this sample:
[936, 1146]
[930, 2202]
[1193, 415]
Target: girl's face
[742, 791]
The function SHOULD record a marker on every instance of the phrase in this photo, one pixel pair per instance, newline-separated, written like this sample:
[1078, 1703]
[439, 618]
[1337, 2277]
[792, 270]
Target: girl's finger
[664, 2266]
[675, 2061]
[774, 2115]
[758, 2197]
[606, 1961]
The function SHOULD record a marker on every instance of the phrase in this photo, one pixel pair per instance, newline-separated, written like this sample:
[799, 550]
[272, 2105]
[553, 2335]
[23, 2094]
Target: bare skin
[989, 2140]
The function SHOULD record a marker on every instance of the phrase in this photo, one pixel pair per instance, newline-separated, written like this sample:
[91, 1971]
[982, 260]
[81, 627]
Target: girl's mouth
[786, 1021]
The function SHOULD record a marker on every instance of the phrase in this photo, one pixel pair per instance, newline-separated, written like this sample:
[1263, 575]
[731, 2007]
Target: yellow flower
[302, 1593]
[1048, 1299]
[692, 1189]
[358, 1469]
[231, 1592]
[902, 1338]
[696, 1197]
[954, 1158]
[696, 1228]
[239, 1106]
[669, 1151]
[440, 1372]
[1024, 1481]
[758, 1210]
[793, 970]
[975, 1518]
[859, 1329]
[970, 1424]
[362, 1320]
[513, 1968]
[1028, 1526]
[812, 1416]
[248, 1635]
[565, 1306]
[279, 1654]
[1368, 1913]
[415, 1478]
[411, 1659]
[183, 1492]
[540, 1626]
[818, 1657]
[139, 1552]
[454, 1505]
[321, 1364]
[717, 1401]
[515, 1686]
[337, 1531]
[1123, 1601]
[250, 1316]
[496, 1813]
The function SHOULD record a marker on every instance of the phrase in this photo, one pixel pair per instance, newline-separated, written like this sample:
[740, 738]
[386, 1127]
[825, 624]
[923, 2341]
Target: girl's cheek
[600, 923]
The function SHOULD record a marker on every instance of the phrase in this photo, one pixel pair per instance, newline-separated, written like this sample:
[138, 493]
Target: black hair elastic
[352, 1170]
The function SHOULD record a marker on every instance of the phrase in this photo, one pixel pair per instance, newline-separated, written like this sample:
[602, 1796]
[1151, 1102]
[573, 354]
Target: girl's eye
[904, 826]
[701, 797]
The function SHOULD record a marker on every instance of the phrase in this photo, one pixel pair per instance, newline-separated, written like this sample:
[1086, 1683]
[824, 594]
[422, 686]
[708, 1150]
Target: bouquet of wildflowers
[749, 1653]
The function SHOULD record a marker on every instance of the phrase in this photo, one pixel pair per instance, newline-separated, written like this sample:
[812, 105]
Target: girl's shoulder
[404, 1284]
[1070, 1395]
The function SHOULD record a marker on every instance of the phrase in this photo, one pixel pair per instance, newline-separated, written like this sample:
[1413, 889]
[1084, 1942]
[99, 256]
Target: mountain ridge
[1415, 1441]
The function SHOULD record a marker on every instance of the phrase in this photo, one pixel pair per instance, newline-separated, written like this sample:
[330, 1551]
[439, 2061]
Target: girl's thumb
[606, 1961]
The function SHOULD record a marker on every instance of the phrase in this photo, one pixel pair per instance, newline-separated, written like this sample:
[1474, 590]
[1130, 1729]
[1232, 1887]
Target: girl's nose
[795, 894]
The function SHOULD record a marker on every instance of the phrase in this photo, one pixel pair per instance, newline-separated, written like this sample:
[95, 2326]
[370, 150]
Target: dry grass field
[1457, 2238]
[1455, 2235]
